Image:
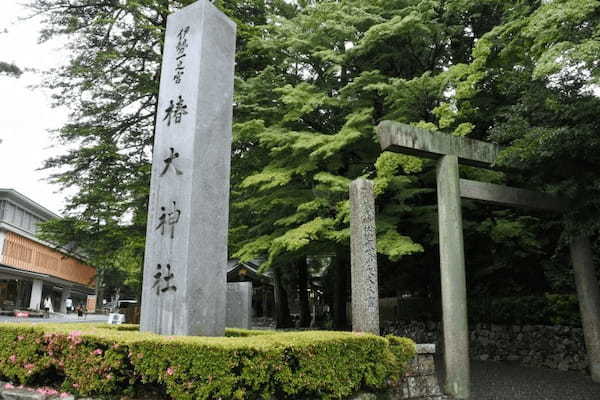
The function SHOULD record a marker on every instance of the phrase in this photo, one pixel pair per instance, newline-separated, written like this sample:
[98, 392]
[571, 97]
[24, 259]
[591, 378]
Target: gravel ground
[509, 381]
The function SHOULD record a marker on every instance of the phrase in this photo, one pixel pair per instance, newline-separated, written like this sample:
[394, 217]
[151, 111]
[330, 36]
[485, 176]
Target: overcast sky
[25, 114]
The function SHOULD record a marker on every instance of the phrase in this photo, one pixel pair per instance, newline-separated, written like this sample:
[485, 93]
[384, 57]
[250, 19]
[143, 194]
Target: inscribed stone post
[365, 291]
[184, 284]
[239, 305]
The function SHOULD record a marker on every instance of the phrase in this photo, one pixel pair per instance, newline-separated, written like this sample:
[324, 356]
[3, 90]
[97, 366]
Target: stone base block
[422, 365]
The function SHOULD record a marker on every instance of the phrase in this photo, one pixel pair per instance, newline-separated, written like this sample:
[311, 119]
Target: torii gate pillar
[589, 300]
[453, 281]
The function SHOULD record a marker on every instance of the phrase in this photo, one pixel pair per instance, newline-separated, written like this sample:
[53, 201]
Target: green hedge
[108, 360]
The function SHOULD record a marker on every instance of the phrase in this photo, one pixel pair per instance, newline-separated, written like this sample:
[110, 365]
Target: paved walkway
[509, 381]
[58, 318]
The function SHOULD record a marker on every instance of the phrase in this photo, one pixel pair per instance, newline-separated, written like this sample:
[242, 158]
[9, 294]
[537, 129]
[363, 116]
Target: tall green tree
[313, 79]
[110, 85]
[338, 68]
[543, 65]
[531, 85]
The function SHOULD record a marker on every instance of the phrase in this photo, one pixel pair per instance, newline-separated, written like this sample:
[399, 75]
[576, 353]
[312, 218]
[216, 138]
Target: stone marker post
[453, 282]
[589, 300]
[239, 305]
[365, 291]
[184, 284]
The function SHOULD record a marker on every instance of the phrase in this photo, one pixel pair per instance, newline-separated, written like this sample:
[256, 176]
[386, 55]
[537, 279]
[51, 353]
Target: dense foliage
[110, 84]
[9, 69]
[549, 309]
[313, 79]
[251, 365]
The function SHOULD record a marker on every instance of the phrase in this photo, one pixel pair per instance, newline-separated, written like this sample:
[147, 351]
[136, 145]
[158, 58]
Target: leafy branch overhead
[10, 69]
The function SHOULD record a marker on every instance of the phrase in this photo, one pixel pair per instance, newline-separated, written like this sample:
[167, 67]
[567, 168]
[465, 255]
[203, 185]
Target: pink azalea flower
[13, 358]
[75, 385]
[75, 337]
[19, 338]
[170, 371]
[97, 352]
[64, 394]
[29, 366]
[8, 386]
[109, 376]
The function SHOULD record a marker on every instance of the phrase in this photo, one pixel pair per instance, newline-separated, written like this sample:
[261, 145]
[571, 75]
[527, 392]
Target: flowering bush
[81, 365]
[109, 360]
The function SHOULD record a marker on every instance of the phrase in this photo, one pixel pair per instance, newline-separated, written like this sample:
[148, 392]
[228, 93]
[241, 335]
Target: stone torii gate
[450, 151]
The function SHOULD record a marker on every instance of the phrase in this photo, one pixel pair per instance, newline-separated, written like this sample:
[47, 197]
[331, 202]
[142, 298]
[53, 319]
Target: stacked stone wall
[557, 347]
[420, 381]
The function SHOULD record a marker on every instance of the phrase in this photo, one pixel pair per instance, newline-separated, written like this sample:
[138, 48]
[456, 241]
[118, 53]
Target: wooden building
[32, 270]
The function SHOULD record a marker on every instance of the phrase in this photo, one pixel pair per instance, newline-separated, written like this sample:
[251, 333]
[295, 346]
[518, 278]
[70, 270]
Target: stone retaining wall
[419, 383]
[557, 347]
[9, 392]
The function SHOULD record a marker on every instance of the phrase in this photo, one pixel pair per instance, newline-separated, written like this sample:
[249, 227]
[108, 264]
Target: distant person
[69, 305]
[48, 307]
[79, 310]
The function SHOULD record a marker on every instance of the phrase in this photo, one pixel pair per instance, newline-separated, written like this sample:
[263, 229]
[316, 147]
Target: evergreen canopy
[313, 79]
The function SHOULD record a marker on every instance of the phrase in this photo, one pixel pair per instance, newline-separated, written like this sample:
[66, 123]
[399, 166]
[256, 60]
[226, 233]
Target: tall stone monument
[184, 284]
[365, 290]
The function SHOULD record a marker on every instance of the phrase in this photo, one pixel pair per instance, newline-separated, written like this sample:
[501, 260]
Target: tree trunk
[303, 293]
[340, 318]
[282, 309]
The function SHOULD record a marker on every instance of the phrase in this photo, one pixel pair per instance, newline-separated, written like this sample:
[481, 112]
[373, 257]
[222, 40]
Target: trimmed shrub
[112, 360]
[403, 350]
